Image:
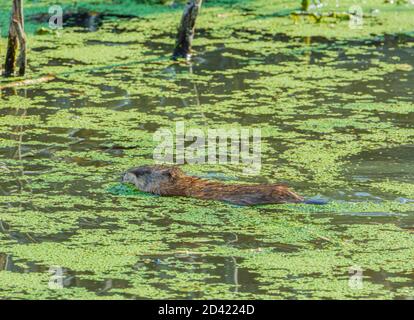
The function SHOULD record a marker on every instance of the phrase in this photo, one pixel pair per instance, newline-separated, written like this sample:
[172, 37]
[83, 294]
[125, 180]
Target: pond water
[337, 122]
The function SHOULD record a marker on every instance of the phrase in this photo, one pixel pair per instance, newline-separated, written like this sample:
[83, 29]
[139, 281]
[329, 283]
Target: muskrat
[172, 181]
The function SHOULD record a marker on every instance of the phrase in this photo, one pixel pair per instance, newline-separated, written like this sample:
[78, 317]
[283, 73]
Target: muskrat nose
[122, 180]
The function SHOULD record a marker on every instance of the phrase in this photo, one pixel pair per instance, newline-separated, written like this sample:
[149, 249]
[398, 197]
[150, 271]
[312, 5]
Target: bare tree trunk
[186, 30]
[17, 38]
[22, 62]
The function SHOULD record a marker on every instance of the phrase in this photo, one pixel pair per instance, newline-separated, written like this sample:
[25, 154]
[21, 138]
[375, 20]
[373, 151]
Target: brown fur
[172, 181]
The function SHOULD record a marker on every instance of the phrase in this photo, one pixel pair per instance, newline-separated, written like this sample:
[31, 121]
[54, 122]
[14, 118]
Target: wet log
[186, 30]
[17, 39]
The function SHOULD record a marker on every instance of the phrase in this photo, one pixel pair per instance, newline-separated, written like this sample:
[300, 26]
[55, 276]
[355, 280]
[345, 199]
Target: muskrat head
[151, 178]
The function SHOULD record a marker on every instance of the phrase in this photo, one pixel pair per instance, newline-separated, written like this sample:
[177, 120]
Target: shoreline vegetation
[262, 15]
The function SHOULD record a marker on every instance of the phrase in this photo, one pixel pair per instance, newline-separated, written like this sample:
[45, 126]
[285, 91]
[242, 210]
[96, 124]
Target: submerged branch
[27, 82]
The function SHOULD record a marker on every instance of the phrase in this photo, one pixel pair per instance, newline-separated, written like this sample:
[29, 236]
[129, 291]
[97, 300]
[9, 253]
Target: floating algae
[326, 129]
